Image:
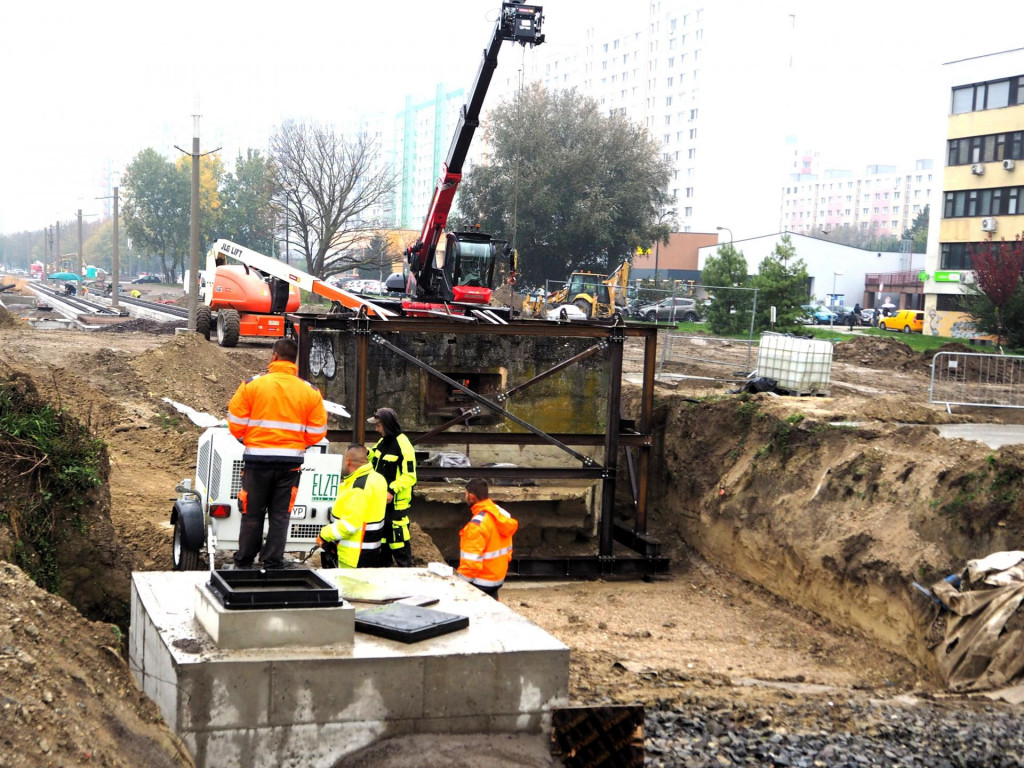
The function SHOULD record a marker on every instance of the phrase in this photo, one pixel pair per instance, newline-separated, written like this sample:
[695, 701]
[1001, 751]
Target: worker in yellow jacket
[394, 457]
[485, 542]
[277, 416]
[353, 538]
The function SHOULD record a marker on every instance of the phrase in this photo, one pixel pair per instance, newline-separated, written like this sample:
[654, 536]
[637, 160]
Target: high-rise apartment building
[880, 202]
[421, 137]
[982, 191]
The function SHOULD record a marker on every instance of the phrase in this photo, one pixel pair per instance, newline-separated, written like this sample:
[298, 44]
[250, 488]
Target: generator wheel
[185, 559]
[204, 321]
[228, 327]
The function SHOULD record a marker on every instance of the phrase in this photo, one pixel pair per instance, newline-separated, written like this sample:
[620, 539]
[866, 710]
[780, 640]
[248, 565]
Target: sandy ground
[700, 632]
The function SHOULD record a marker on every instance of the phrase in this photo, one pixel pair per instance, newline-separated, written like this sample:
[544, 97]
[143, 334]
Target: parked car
[906, 320]
[146, 279]
[678, 309]
[818, 315]
[843, 313]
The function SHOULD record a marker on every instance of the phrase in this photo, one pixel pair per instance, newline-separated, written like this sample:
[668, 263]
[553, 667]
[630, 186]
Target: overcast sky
[85, 86]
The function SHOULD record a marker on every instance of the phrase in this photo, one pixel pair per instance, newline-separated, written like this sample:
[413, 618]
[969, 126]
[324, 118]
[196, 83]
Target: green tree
[249, 216]
[156, 209]
[332, 186]
[211, 209]
[918, 232]
[570, 188]
[782, 282]
[725, 278]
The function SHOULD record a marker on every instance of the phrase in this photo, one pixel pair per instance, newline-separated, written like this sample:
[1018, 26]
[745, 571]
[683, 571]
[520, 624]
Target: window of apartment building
[688, 211]
[896, 195]
[951, 302]
[668, 138]
[876, 210]
[866, 211]
[693, 114]
[863, 225]
[874, 225]
[895, 224]
[917, 193]
[847, 211]
[1000, 201]
[886, 196]
[985, 149]
[670, 82]
[668, 101]
[691, 153]
[895, 209]
[689, 191]
[615, 45]
[990, 95]
[693, 133]
[917, 209]
[956, 255]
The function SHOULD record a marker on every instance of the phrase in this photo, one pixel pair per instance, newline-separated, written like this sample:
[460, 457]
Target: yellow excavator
[595, 295]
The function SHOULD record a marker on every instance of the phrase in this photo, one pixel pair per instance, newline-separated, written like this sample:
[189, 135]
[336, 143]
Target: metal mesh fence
[968, 378]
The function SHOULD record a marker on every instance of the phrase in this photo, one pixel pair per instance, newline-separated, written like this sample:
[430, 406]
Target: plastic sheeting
[983, 646]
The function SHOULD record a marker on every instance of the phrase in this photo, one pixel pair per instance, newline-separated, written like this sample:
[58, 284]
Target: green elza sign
[947, 277]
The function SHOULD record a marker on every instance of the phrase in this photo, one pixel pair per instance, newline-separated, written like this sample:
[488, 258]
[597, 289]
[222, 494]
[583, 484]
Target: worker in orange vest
[485, 542]
[277, 416]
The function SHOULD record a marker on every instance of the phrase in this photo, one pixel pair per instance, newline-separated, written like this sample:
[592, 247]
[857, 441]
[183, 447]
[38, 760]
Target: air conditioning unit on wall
[1008, 165]
[978, 169]
[988, 225]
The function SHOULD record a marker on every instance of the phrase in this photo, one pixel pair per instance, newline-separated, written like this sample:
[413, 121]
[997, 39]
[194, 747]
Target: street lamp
[726, 229]
[657, 245]
[831, 313]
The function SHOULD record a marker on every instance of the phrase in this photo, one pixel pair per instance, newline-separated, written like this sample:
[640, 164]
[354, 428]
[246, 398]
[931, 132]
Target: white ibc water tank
[802, 366]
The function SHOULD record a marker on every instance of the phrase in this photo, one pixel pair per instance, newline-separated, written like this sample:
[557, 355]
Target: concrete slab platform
[311, 705]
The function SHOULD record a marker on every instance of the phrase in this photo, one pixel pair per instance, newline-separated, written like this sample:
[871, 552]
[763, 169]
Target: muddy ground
[793, 541]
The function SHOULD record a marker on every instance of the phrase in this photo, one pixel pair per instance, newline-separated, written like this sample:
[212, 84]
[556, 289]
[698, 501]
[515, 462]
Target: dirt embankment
[839, 520]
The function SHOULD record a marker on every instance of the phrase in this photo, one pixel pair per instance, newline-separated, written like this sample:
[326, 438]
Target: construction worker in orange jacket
[354, 536]
[485, 542]
[277, 416]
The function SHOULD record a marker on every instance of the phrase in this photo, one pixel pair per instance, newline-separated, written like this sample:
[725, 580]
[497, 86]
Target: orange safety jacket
[277, 416]
[485, 545]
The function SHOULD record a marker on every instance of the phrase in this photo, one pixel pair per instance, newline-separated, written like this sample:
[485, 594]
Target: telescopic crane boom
[467, 269]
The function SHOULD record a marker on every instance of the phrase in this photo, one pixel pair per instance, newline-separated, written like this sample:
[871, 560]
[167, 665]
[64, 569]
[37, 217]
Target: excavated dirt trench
[838, 520]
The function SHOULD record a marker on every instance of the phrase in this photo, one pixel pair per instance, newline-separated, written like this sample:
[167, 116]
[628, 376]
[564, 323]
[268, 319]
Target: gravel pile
[835, 734]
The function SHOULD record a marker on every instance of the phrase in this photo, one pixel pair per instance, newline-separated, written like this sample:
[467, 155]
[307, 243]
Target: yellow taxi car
[906, 320]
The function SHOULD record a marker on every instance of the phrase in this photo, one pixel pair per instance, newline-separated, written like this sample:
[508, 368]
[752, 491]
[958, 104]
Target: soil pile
[68, 697]
[7, 320]
[878, 352]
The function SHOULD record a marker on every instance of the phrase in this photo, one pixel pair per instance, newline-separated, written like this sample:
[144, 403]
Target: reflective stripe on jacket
[485, 545]
[395, 458]
[358, 517]
[277, 416]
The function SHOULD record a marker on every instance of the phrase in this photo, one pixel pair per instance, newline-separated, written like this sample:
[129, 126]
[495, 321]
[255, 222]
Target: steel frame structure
[634, 436]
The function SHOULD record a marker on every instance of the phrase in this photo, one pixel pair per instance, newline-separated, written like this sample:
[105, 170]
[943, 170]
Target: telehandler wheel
[583, 306]
[204, 321]
[185, 559]
[228, 327]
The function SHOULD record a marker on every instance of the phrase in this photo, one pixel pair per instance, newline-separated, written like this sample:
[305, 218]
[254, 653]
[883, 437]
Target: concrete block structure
[312, 705]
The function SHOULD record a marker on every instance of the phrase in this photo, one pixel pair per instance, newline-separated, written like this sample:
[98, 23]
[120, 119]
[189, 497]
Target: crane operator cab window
[472, 262]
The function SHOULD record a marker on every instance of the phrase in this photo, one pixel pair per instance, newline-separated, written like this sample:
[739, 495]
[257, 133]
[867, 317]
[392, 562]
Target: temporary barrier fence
[985, 380]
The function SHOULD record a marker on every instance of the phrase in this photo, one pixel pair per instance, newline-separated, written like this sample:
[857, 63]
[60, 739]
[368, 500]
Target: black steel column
[616, 339]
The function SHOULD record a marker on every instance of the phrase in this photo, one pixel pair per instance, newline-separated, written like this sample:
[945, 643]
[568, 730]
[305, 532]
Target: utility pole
[56, 253]
[81, 260]
[115, 266]
[193, 260]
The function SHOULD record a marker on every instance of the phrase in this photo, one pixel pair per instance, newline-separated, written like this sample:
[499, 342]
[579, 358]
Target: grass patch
[60, 460]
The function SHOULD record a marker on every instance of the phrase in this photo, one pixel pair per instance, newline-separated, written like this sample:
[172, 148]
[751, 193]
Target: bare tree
[329, 187]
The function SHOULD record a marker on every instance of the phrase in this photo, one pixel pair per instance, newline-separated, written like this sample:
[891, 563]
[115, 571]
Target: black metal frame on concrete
[635, 437]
